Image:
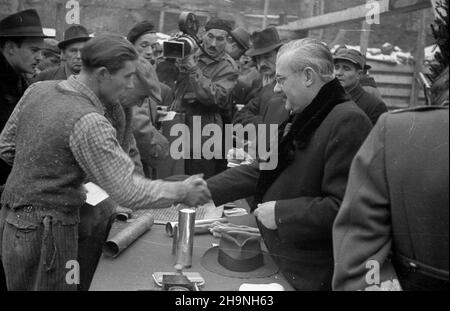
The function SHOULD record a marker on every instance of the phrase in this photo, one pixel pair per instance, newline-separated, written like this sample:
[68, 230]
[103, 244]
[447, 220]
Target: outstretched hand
[197, 192]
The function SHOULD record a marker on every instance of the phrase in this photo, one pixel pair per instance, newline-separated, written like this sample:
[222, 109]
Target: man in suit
[392, 229]
[298, 200]
[74, 39]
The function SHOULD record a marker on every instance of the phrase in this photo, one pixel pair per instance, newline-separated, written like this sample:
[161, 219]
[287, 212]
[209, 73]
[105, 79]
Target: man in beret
[153, 146]
[74, 39]
[203, 89]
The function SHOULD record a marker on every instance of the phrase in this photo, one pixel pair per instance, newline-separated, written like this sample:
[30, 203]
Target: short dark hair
[17, 40]
[110, 51]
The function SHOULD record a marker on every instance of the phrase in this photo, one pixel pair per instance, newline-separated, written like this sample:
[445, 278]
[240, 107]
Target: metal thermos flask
[185, 237]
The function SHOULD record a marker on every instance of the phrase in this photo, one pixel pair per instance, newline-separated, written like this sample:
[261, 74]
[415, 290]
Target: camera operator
[203, 88]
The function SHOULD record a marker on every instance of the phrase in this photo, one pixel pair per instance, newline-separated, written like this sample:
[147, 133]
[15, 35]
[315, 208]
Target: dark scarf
[295, 133]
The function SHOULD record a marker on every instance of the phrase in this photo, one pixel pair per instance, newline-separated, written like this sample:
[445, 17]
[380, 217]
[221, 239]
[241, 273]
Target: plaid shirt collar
[86, 91]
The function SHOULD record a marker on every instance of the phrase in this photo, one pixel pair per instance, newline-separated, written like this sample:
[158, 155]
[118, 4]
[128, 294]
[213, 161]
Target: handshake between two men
[196, 191]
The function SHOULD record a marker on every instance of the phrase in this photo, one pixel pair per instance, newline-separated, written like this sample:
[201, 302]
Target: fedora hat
[242, 38]
[264, 41]
[22, 24]
[239, 255]
[74, 33]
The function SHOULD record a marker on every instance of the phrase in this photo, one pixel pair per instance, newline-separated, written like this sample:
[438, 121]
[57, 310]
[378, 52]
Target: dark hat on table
[242, 38]
[264, 41]
[140, 29]
[239, 255]
[75, 33]
[218, 23]
[22, 24]
[351, 55]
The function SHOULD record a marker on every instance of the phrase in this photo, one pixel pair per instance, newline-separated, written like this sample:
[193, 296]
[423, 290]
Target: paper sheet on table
[94, 194]
[169, 116]
[164, 215]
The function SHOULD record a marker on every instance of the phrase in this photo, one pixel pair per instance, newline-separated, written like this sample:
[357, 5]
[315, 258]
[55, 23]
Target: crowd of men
[353, 184]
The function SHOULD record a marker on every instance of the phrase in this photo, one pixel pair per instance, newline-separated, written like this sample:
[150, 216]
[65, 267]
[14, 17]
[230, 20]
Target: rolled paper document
[201, 226]
[123, 213]
[115, 245]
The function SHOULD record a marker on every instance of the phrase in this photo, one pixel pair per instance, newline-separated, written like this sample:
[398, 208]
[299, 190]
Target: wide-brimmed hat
[351, 55]
[264, 41]
[22, 24]
[239, 255]
[75, 33]
[242, 38]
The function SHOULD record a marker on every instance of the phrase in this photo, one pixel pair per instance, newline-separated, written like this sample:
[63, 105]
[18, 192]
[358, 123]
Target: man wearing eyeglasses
[203, 89]
[296, 203]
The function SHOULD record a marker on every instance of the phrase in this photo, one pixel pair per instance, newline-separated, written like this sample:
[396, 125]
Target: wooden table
[152, 252]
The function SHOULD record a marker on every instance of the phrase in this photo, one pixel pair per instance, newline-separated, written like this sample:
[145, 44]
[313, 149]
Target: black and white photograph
[233, 148]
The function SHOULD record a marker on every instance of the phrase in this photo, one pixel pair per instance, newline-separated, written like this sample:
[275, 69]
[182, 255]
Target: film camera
[185, 42]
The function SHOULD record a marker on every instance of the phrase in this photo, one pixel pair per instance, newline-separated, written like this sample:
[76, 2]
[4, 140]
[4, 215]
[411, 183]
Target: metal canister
[201, 226]
[185, 237]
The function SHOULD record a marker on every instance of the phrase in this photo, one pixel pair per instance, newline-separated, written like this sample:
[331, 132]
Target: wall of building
[119, 16]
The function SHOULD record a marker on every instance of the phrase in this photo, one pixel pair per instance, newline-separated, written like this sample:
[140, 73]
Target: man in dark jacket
[267, 107]
[202, 92]
[299, 199]
[74, 39]
[21, 38]
[392, 229]
[349, 66]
